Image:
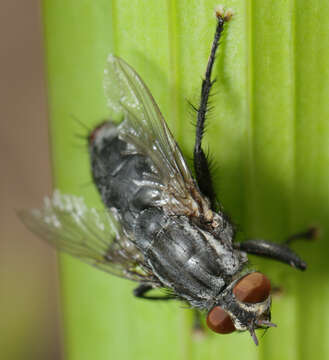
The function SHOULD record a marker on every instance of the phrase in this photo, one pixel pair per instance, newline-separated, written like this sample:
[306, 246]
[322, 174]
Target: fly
[162, 228]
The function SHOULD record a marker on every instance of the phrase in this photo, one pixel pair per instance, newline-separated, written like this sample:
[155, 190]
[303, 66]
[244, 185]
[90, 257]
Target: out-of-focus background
[29, 326]
[274, 162]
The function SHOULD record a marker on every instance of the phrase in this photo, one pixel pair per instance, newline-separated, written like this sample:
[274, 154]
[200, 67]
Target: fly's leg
[142, 289]
[198, 328]
[309, 234]
[279, 252]
[201, 165]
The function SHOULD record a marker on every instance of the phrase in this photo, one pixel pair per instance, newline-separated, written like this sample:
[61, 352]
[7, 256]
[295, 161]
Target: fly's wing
[90, 235]
[145, 128]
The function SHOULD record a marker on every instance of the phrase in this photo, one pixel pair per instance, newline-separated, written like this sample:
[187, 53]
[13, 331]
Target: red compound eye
[253, 288]
[219, 321]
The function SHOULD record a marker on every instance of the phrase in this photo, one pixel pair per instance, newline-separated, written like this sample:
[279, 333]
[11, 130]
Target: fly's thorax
[222, 228]
[228, 261]
[185, 258]
[243, 305]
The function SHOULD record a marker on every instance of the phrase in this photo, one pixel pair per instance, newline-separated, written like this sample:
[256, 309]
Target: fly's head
[245, 305]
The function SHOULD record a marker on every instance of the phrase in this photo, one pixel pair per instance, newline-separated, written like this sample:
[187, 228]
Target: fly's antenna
[201, 165]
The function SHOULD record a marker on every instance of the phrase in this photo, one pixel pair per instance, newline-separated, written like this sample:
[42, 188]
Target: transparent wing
[90, 235]
[145, 128]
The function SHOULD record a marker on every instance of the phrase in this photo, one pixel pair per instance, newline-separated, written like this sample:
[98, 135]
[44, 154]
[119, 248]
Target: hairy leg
[143, 289]
[201, 164]
[279, 252]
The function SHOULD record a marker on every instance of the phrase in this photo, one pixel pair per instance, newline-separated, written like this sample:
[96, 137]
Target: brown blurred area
[29, 324]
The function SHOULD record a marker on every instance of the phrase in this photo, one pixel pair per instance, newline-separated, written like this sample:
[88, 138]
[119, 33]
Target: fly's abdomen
[124, 178]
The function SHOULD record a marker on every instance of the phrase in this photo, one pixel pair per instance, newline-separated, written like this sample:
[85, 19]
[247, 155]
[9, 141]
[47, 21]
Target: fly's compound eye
[253, 288]
[219, 321]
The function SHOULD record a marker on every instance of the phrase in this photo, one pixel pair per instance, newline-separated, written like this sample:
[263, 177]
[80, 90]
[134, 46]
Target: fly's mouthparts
[253, 335]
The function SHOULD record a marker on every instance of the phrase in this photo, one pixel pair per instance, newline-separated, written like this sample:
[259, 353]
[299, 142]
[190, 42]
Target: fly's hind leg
[279, 252]
[201, 165]
[142, 289]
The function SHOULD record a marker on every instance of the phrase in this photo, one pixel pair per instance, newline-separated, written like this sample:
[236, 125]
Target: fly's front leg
[142, 289]
[279, 252]
[198, 328]
[201, 165]
[309, 234]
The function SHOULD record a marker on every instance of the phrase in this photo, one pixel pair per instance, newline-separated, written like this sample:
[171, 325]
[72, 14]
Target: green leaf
[269, 136]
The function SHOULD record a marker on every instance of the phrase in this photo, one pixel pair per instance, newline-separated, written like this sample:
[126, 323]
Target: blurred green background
[269, 135]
